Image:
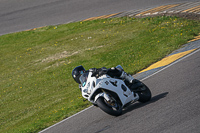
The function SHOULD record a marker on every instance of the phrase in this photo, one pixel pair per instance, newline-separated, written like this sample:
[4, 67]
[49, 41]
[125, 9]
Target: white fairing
[107, 83]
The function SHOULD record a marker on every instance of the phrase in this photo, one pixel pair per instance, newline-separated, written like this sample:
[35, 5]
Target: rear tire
[145, 95]
[114, 109]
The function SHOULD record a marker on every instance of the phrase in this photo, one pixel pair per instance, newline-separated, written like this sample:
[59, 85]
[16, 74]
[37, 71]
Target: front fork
[103, 94]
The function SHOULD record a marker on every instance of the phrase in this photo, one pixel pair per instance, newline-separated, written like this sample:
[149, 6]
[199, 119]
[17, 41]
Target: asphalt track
[28, 14]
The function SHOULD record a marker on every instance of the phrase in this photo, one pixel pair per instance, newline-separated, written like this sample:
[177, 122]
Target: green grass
[36, 86]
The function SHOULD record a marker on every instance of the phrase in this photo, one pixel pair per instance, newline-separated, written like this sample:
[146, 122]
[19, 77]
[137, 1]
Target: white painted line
[141, 80]
[65, 119]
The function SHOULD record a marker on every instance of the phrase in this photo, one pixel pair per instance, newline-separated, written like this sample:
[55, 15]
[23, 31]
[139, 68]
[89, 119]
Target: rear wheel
[112, 108]
[141, 89]
[144, 94]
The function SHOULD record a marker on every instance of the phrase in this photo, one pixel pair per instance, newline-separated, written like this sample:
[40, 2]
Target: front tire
[114, 109]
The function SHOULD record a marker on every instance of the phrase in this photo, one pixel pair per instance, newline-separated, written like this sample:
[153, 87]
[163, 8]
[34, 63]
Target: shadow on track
[139, 105]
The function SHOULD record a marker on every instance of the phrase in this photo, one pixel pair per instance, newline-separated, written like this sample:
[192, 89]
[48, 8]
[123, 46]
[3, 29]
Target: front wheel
[112, 108]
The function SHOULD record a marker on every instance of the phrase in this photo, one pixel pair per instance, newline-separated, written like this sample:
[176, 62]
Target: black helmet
[77, 72]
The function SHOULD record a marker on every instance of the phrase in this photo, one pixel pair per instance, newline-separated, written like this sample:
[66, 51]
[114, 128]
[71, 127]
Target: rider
[115, 72]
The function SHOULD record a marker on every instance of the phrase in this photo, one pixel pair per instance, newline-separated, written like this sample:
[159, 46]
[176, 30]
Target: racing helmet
[77, 72]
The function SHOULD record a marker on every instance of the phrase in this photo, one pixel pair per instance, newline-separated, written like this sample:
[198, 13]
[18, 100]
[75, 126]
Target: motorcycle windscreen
[83, 78]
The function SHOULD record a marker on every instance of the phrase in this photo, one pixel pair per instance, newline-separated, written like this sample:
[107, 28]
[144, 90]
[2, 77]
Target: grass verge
[36, 87]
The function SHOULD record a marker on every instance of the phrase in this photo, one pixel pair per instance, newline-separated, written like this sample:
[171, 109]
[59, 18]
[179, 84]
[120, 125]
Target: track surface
[174, 107]
[27, 14]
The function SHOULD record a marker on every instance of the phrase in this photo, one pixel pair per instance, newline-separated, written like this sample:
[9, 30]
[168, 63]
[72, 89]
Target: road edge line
[65, 119]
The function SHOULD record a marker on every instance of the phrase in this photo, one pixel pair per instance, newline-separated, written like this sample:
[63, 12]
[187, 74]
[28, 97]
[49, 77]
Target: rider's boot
[127, 77]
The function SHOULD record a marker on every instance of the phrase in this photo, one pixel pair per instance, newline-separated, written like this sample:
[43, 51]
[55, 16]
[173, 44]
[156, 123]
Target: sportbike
[112, 94]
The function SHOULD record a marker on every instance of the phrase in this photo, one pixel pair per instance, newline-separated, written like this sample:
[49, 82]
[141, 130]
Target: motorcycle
[112, 94]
